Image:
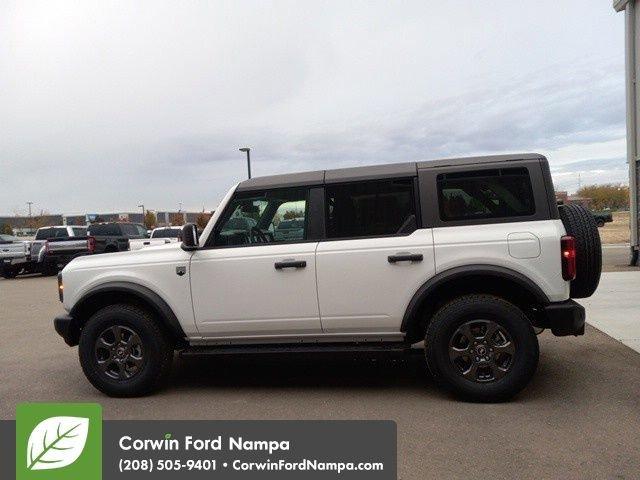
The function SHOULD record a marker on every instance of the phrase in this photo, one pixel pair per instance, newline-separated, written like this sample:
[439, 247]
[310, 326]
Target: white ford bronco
[471, 256]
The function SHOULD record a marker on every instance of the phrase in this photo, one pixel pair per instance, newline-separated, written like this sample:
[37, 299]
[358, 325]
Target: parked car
[114, 236]
[159, 236]
[602, 217]
[467, 257]
[52, 248]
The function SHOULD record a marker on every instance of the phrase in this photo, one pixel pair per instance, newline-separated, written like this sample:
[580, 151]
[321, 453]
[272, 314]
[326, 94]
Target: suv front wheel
[124, 352]
[481, 347]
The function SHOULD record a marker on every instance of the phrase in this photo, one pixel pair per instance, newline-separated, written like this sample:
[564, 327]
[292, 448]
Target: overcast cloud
[105, 105]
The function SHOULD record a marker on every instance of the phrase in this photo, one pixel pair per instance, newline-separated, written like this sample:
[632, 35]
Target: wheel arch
[124, 292]
[480, 279]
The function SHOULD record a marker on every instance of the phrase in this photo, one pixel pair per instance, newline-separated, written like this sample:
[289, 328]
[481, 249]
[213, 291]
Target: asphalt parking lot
[579, 418]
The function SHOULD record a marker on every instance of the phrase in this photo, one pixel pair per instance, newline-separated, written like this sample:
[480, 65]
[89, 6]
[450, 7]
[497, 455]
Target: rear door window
[372, 208]
[483, 194]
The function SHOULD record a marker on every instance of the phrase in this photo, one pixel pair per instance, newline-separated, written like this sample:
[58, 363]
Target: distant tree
[150, 220]
[38, 221]
[615, 197]
[6, 229]
[176, 219]
[202, 219]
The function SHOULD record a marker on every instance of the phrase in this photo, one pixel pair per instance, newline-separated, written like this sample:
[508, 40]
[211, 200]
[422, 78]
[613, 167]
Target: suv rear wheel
[124, 352]
[482, 348]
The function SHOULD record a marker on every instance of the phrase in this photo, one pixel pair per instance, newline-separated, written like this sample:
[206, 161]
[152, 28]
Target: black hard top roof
[389, 170]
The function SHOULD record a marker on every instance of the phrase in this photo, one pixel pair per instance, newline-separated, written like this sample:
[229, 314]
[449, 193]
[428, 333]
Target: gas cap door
[523, 245]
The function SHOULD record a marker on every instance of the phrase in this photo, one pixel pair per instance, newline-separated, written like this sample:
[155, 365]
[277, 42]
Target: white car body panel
[490, 244]
[238, 291]
[359, 291]
[153, 268]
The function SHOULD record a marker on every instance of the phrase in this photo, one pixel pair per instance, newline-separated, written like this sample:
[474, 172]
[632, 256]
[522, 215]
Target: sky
[106, 105]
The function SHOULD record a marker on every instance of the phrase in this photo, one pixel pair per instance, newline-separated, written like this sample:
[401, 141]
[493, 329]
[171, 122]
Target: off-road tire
[10, 272]
[157, 351]
[581, 224]
[448, 319]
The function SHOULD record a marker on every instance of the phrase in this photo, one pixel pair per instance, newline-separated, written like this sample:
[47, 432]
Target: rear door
[375, 255]
[248, 283]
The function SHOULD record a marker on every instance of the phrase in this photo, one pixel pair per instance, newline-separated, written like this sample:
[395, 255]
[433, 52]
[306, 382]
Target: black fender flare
[161, 308]
[457, 273]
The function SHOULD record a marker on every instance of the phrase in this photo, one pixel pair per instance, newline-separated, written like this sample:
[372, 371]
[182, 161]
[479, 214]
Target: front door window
[272, 216]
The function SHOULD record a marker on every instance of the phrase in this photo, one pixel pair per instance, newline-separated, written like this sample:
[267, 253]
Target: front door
[257, 275]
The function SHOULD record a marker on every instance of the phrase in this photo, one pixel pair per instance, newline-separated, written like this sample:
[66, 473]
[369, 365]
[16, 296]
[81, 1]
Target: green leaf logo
[56, 442]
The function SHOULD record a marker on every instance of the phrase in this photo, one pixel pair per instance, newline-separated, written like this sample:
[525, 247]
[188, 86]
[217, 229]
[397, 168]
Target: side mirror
[189, 237]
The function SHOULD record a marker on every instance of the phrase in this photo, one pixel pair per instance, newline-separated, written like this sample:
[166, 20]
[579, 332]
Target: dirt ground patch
[616, 231]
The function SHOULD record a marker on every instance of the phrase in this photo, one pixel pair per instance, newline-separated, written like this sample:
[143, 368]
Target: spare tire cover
[581, 224]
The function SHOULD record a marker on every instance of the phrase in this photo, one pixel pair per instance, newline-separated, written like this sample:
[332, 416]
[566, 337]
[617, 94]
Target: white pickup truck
[467, 258]
[52, 249]
[159, 236]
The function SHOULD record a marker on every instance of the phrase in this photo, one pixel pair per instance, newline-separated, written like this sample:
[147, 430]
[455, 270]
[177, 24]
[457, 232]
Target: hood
[156, 254]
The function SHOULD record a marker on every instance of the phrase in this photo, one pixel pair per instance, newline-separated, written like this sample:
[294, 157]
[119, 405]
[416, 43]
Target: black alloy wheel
[119, 352]
[481, 351]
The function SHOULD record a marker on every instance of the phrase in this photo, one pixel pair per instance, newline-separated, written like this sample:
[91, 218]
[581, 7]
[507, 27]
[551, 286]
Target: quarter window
[496, 193]
[272, 216]
[375, 208]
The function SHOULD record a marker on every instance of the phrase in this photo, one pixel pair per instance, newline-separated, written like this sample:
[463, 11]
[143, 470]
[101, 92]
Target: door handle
[290, 264]
[405, 257]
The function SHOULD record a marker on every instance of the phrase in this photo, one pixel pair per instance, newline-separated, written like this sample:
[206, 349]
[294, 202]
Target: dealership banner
[71, 441]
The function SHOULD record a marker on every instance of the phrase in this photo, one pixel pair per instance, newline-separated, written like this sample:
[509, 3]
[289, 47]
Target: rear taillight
[568, 251]
[91, 244]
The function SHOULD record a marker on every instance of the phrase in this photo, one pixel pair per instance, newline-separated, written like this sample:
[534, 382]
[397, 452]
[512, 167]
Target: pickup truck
[52, 249]
[115, 236]
[12, 252]
[159, 236]
[602, 217]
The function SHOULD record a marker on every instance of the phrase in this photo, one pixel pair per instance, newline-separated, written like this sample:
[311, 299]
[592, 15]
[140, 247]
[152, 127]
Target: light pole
[142, 207]
[247, 150]
[29, 203]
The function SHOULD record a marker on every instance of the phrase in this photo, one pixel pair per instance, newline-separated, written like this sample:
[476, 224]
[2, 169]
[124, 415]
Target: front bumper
[563, 318]
[66, 327]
